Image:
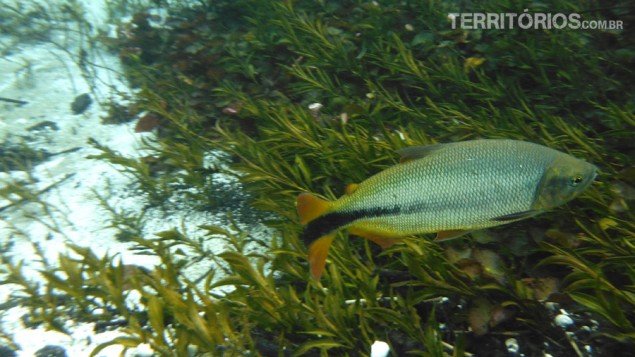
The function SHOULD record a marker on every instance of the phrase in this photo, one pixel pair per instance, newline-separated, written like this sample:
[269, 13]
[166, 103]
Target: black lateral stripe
[330, 222]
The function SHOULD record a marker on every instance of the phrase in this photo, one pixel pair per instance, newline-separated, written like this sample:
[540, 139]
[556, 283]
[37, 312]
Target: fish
[449, 189]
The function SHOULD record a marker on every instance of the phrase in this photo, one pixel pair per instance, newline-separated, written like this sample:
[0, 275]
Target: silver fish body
[464, 186]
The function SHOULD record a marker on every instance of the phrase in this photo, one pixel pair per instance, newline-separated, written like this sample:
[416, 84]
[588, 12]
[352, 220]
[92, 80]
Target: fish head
[563, 180]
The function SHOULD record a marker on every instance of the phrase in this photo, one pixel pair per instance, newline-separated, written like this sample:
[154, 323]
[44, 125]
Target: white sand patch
[49, 79]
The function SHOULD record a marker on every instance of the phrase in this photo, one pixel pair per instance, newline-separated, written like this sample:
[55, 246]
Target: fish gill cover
[310, 96]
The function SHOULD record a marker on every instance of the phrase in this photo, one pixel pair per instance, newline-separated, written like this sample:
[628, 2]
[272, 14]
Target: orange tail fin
[310, 207]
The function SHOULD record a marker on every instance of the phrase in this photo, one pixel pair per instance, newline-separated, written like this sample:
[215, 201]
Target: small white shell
[512, 345]
[379, 349]
[315, 106]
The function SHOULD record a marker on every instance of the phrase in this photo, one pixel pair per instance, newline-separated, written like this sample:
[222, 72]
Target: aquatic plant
[241, 76]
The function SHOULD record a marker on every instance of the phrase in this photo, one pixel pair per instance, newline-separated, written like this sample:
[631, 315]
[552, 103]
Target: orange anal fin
[383, 241]
[350, 188]
[310, 207]
[318, 252]
[447, 235]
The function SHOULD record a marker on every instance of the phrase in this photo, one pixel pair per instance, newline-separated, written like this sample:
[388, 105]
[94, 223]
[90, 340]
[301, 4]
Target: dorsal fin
[417, 152]
[350, 188]
[310, 207]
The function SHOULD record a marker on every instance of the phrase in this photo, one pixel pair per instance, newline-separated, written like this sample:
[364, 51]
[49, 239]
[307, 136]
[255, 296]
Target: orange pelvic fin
[310, 207]
[317, 255]
[350, 188]
[447, 235]
[383, 241]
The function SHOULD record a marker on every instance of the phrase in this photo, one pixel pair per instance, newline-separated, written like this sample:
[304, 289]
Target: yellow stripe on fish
[446, 188]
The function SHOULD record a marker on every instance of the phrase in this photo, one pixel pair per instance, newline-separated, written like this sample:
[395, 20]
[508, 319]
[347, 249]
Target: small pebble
[563, 321]
[81, 103]
[583, 332]
[512, 345]
[51, 351]
[379, 349]
[315, 106]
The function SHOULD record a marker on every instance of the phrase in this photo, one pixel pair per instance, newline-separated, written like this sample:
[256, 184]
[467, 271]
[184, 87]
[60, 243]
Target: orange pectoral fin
[310, 207]
[447, 235]
[383, 241]
[317, 255]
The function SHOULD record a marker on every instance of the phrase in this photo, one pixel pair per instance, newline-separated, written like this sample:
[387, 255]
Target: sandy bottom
[48, 79]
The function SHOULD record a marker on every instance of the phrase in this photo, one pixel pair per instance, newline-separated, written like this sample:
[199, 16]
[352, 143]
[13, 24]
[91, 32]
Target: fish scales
[464, 185]
[445, 188]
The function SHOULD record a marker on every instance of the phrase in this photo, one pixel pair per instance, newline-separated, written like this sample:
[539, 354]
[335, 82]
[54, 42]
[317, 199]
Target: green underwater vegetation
[243, 77]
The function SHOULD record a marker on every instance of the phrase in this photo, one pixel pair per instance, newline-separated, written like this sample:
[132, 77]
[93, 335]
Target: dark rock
[146, 123]
[81, 103]
[47, 124]
[7, 352]
[51, 351]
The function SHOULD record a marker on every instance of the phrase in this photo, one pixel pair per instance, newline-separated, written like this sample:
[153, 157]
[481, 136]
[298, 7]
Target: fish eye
[576, 180]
